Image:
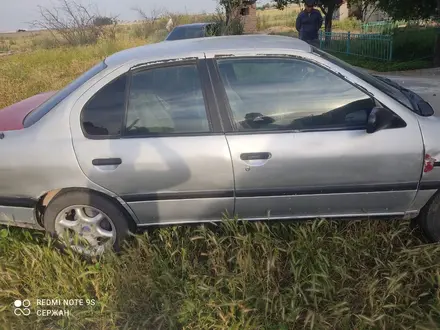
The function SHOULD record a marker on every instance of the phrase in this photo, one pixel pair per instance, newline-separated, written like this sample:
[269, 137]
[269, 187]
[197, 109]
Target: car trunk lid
[11, 117]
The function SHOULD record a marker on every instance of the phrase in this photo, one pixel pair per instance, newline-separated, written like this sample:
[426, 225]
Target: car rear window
[44, 108]
[187, 32]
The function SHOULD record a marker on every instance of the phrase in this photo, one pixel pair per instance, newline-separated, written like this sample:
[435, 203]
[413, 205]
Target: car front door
[299, 144]
[148, 135]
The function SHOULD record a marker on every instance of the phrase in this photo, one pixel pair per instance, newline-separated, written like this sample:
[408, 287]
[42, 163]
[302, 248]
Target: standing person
[308, 23]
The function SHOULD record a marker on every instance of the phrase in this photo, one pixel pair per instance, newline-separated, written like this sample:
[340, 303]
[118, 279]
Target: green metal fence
[377, 46]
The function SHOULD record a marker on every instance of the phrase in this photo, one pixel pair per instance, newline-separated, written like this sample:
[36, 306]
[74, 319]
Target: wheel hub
[94, 228]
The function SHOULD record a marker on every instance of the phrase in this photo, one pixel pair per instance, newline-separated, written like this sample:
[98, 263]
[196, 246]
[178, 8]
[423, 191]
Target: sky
[15, 14]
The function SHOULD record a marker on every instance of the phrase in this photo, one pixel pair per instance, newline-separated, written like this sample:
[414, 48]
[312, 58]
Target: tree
[230, 8]
[363, 8]
[328, 7]
[410, 9]
[227, 19]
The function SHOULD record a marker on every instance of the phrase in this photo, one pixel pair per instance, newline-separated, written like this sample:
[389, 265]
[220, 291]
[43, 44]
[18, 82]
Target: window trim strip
[126, 101]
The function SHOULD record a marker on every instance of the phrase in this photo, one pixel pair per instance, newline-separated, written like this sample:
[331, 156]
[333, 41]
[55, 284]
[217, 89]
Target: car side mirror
[378, 119]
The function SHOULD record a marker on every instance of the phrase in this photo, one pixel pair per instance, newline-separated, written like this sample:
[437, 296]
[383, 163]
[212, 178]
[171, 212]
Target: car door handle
[256, 156]
[106, 161]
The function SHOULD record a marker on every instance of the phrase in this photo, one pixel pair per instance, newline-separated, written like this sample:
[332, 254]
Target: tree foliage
[397, 9]
[363, 9]
[409, 9]
[228, 21]
[230, 7]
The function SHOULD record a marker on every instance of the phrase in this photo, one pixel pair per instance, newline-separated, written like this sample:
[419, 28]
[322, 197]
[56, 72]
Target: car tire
[112, 212]
[429, 220]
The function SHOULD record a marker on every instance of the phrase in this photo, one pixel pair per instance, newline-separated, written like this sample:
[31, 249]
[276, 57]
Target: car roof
[188, 47]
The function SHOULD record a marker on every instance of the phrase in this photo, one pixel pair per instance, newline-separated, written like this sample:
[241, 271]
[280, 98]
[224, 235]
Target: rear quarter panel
[41, 158]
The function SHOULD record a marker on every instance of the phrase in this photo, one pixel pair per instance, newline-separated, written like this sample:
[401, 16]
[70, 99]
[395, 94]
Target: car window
[213, 29]
[362, 74]
[104, 112]
[187, 32]
[44, 108]
[291, 94]
[166, 100]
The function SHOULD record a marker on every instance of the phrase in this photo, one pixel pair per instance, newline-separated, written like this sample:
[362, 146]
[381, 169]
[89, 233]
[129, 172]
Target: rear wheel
[87, 222]
[429, 219]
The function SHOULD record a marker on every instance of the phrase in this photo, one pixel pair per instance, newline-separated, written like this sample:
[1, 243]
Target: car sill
[18, 202]
[366, 216]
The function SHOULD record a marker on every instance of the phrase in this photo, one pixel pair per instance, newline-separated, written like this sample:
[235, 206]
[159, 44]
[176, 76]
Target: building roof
[189, 47]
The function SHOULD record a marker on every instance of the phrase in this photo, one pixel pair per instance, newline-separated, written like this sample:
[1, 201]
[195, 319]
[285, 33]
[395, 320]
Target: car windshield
[187, 32]
[44, 108]
[364, 75]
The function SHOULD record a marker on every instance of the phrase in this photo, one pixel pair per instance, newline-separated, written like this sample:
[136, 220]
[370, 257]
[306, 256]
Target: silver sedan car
[260, 127]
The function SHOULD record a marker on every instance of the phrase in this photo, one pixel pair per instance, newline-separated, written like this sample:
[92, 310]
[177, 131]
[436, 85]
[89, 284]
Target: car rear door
[299, 145]
[152, 136]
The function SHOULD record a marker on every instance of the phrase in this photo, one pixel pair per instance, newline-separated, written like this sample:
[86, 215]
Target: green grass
[25, 74]
[414, 43]
[314, 275]
[383, 66]
[272, 18]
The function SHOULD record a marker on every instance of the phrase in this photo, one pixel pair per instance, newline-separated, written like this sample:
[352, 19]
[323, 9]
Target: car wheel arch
[45, 199]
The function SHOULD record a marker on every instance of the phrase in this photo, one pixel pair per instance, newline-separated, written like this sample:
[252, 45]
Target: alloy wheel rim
[85, 229]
